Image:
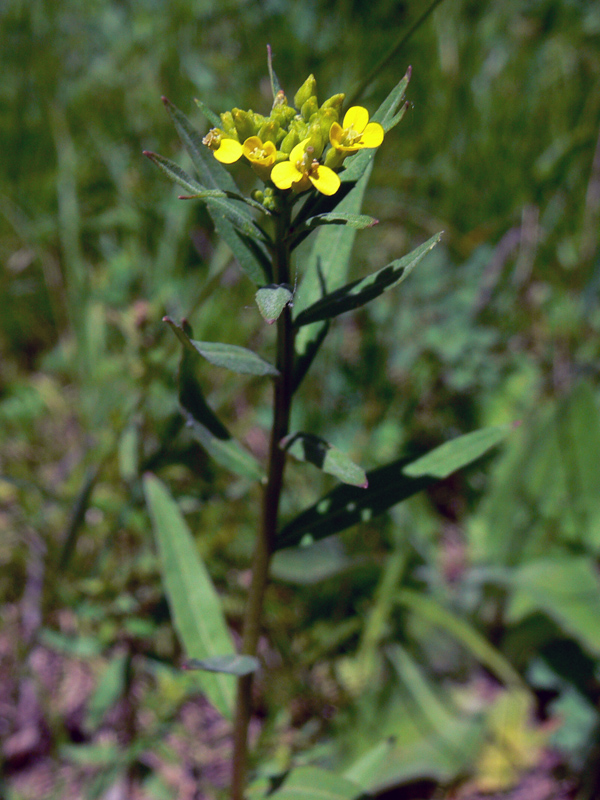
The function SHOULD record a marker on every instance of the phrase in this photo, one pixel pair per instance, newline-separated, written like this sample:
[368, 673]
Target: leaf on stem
[314, 783]
[230, 665]
[272, 299]
[307, 447]
[359, 292]
[275, 85]
[214, 119]
[388, 485]
[356, 221]
[194, 603]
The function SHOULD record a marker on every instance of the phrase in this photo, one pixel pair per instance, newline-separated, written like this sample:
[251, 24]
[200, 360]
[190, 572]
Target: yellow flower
[302, 170]
[356, 132]
[258, 152]
[225, 150]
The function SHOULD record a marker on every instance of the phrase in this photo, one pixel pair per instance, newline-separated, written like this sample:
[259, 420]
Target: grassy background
[500, 150]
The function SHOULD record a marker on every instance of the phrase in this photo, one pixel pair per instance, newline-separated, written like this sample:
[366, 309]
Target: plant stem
[270, 506]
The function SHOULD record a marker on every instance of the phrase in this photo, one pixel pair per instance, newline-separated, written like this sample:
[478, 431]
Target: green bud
[334, 158]
[280, 99]
[309, 108]
[316, 139]
[280, 156]
[228, 123]
[326, 117]
[308, 89]
[258, 119]
[290, 141]
[244, 123]
[301, 128]
[257, 195]
[283, 115]
[268, 132]
[335, 101]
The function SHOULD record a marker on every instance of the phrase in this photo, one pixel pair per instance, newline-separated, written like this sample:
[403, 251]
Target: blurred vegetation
[454, 639]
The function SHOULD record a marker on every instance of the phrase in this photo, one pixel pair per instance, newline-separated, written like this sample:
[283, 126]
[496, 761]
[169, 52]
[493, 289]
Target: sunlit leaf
[313, 783]
[271, 300]
[307, 447]
[356, 221]
[453, 455]
[361, 291]
[195, 605]
[348, 505]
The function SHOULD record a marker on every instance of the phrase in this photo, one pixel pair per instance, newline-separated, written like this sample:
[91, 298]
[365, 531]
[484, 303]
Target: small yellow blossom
[224, 149]
[356, 132]
[302, 170]
[258, 152]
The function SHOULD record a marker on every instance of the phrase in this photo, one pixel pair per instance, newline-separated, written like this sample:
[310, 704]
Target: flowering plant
[314, 171]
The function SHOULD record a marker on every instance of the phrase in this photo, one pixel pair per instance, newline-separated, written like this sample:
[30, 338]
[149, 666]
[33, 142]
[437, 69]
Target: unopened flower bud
[307, 90]
[280, 99]
[228, 123]
[309, 108]
[316, 139]
[268, 132]
[326, 118]
[244, 123]
[257, 195]
[283, 115]
[335, 101]
[290, 141]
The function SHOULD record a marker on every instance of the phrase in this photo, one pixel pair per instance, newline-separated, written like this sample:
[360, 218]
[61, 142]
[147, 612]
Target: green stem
[265, 543]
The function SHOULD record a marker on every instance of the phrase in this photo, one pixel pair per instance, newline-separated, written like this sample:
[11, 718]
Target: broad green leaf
[214, 119]
[230, 356]
[348, 505]
[462, 631]
[195, 605]
[453, 455]
[204, 424]
[307, 447]
[359, 292]
[314, 783]
[567, 589]
[271, 300]
[367, 769]
[230, 665]
[356, 221]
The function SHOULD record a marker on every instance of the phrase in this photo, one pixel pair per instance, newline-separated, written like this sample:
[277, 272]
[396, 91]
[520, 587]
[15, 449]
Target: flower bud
[335, 101]
[280, 99]
[283, 115]
[334, 158]
[228, 123]
[244, 123]
[307, 90]
[316, 139]
[290, 141]
[268, 132]
[298, 125]
[326, 118]
[257, 195]
[309, 108]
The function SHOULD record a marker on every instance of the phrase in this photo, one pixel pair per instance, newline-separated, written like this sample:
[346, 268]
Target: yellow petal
[251, 144]
[298, 152]
[285, 174]
[372, 135]
[356, 118]
[325, 180]
[335, 134]
[228, 152]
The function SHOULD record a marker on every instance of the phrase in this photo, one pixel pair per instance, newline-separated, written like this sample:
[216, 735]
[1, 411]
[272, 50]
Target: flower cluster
[297, 146]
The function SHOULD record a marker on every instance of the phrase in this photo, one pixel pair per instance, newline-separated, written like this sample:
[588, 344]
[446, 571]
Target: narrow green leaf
[348, 505]
[359, 292]
[174, 172]
[206, 427]
[195, 605]
[366, 770]
[249, 253]
[230, 665]
[356, 221]
[230, 356]
[451, 456]
[314, 783]
[275, 85]
[305, 566]
[271, 300]
[462, 631]
[229, 453]
[307, 447]
[214, 119]
[109, 689]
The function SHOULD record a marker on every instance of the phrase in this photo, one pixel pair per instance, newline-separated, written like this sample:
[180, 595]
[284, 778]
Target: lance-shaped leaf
[230, 665]
[275, 85]
[205, 426]
[272, 299]
[214, 119]
[388, 485]
[359, 292]
[230, 356]
[250, 254]
[314, 783]
[356, 221]
[174, 172]
[195, 606]
[307, 447]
